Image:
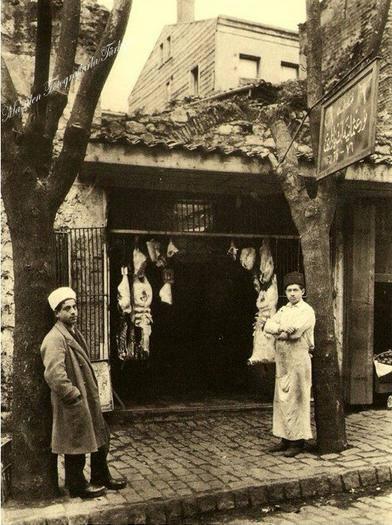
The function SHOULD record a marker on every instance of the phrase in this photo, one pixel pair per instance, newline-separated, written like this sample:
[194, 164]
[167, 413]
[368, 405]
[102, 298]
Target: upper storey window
[165, 50]
[168, 47]
[161, 54]
[288, 71]
[195, 81]
[249, 67]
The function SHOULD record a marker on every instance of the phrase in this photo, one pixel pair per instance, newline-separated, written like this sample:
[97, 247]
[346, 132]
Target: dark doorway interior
[200, 344]
[382, 337]
[382, 317]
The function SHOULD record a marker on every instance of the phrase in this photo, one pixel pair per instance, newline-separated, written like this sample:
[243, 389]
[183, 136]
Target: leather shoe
[89, 491]
[291, 452]
[280, 447]
[114, 484]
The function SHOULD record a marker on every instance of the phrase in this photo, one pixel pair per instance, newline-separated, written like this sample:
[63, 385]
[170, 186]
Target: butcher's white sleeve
[305, 319]
[272, 326]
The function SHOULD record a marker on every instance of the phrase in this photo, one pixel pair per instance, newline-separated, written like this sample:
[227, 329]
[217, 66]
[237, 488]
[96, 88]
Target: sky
[148, 17]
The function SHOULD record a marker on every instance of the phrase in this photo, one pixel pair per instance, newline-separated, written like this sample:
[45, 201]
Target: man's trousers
[75, 463]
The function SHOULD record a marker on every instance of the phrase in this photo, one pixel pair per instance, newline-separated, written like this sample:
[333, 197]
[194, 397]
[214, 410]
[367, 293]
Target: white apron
[293, 381]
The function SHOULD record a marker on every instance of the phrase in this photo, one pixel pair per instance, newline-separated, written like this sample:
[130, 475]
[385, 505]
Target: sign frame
[371, 70]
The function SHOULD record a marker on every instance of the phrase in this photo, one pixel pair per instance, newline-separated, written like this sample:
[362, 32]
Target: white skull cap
[59, 295]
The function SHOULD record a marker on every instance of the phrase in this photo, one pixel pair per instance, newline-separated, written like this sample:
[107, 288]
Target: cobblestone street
[179, 468]
[366, 509]
[188, 456]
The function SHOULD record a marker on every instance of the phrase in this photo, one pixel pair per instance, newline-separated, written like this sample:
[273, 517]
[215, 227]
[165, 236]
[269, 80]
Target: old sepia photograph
[196, 262]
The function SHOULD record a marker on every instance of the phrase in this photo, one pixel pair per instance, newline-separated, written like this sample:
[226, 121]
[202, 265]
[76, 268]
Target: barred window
[193, 215]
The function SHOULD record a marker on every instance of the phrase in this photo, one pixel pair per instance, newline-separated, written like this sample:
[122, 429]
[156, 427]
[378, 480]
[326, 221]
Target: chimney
[185, 11]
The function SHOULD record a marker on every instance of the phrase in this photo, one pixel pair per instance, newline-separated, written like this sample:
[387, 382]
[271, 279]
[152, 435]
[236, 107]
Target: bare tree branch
[63, 69]
[41, 66]
[95, 76]
[292, 184]
[79, 124]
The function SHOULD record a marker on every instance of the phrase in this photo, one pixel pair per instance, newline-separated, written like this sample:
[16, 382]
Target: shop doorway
[200, 344]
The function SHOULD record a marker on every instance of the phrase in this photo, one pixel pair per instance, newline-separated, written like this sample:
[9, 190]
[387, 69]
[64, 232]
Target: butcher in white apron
[292, 327]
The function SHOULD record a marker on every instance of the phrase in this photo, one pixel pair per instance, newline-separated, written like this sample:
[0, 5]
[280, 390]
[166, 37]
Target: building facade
[197, 58]
[199, 177]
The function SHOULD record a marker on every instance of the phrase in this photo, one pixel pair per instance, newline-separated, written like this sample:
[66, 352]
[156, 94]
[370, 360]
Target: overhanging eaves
[124, 165]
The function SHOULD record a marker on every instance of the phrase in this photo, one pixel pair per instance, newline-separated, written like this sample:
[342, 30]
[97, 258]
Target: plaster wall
[271, 47]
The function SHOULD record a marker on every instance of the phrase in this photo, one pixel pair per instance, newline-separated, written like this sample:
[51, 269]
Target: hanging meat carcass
[171, 249]
[142, 298]
[165, 292]
[124, 292]
[232, 251]
[248, 258]
[125, 339]
[266, 262]
[267, 300]
[139, 263]
[133, 339]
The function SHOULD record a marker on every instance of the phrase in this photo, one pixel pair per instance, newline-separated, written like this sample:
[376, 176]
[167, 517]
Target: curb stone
[173, 511]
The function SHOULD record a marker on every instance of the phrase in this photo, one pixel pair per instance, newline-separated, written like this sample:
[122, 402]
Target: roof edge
[291, 32]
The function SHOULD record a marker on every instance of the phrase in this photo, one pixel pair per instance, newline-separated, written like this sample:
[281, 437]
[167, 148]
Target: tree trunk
[34, 183]
[313, 219]
[327, 386]
[32, 237]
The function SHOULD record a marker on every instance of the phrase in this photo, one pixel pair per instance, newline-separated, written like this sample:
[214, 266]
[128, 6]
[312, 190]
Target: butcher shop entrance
[185, 274]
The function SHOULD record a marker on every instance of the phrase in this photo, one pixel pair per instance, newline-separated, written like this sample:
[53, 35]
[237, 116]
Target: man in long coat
[293, 327]
[78, 425]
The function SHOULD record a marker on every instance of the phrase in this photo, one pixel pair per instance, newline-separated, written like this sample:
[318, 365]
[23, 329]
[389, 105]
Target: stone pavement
[373, 508]
[180, 467]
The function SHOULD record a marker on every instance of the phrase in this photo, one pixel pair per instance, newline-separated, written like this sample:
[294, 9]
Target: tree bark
[314, 58]
[34, 184]
[33, 471]
[313, 219]
[327, 385]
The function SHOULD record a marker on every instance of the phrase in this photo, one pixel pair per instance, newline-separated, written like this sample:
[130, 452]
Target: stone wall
[83, 207]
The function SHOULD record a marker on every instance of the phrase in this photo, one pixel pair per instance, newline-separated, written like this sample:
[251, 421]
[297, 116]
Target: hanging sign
[348, 123]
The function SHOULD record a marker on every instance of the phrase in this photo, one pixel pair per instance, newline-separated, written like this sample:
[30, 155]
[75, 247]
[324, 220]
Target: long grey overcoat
[78, 428]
